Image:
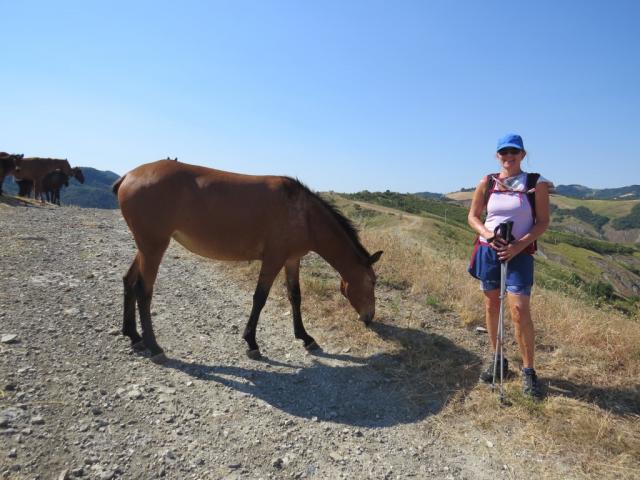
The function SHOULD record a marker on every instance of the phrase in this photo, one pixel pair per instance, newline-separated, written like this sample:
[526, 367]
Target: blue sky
[346, 95]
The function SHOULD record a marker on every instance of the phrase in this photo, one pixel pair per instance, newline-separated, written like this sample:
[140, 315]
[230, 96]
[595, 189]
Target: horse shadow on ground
[620, 401]
[382, 390]
[13, 201]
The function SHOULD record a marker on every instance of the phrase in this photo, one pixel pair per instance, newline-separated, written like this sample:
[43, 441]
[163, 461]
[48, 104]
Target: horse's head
[8, 162]
[77, 174]
[360, 290]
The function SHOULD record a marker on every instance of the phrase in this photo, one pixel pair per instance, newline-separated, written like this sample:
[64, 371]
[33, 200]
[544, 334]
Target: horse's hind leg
[148, 262]
[292, 271]
[268, 273]
[129, 315]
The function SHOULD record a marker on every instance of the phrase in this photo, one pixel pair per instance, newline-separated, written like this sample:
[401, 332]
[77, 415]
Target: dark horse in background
[7, 165]
[52, 183]
[25, 187]
[228, 216]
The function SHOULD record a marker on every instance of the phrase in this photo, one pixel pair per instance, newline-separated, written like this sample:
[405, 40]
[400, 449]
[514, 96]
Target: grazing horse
[228, 216]
[7, 165]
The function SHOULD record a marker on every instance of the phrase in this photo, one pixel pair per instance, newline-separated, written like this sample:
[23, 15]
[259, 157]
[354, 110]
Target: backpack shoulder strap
[532, 180]
[491, 183]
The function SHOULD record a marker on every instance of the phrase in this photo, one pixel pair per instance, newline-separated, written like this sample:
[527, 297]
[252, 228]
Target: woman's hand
[506, 251]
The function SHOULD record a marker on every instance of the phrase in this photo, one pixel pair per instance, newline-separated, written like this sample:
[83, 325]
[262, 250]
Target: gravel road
[77, 402]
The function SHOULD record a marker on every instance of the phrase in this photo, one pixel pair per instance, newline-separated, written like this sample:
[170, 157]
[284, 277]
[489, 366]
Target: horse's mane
[346, 224]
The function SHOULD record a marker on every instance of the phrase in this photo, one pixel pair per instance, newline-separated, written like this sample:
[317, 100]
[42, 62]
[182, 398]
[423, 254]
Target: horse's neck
[332, 243]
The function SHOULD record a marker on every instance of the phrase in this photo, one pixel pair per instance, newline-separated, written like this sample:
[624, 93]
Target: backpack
[532, 180]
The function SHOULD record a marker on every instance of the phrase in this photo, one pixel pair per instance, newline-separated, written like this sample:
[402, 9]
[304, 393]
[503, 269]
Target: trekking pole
[504, 230]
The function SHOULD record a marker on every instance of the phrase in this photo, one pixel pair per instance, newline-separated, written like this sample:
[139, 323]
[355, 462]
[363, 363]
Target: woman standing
[523, 198]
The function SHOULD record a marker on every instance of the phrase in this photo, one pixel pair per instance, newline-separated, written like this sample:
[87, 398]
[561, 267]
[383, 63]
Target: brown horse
[7, 165]
[228, 216]
[35, 169]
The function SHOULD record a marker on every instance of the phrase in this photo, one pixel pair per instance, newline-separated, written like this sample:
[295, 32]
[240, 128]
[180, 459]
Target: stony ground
[77, 402]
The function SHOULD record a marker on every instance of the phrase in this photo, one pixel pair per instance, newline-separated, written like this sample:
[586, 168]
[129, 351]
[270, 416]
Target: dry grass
[589, 358]
[601, 340]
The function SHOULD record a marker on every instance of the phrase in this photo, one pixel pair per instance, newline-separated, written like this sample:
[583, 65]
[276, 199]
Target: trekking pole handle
[504, 230]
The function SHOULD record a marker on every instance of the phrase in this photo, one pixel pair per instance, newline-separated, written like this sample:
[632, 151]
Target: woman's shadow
[621, 401]
[377, 391]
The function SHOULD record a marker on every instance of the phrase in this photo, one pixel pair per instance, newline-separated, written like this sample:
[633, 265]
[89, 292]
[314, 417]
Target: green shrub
[583, 214]
[598, 246]
[600, 290]
[632, 220]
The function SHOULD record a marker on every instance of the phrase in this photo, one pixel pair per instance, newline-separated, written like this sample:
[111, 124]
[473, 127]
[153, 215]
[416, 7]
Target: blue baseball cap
[510, 140]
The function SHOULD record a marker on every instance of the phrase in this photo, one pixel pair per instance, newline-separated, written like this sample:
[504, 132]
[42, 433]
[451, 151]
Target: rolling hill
[576, 263]
[609, 220]
[579, 191]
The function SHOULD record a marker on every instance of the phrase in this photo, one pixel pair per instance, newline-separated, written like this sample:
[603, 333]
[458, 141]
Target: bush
[600, 290]
[598, 246]
[583, 214]
[629, 221]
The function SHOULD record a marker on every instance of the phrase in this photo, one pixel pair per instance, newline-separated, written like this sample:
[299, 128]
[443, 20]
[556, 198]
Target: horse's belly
[218, 248]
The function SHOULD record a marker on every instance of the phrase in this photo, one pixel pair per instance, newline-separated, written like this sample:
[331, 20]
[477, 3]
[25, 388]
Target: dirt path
[409, 221]
[76, 402]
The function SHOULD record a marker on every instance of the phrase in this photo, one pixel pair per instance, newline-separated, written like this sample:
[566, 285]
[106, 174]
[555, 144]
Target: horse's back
[211, 212]
[172, 185]
[35, 168]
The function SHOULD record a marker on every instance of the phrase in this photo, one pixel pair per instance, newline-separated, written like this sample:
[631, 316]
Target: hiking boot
[530, 386]
[487, 374]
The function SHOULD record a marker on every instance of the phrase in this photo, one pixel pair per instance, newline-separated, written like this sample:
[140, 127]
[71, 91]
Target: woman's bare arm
[475, 211]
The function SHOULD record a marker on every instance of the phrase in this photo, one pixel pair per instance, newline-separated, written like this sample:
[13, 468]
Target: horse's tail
[116, 184]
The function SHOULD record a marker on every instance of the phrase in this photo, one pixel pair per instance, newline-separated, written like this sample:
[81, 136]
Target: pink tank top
[510, 205]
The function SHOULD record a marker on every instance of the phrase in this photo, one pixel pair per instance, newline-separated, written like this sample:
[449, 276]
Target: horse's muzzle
[366, 318]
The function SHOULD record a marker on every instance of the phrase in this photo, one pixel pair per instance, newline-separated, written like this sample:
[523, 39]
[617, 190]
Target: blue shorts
[515, 289]
[485, 266]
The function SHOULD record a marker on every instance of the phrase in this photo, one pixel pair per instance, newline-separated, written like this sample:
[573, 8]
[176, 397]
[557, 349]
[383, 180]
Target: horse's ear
[375, 257]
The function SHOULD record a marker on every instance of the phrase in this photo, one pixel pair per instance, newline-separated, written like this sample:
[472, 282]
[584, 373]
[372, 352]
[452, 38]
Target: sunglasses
[509, 151]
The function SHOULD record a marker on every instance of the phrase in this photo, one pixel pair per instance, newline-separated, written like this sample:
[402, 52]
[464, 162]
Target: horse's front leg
[268, 273]
[292, 270]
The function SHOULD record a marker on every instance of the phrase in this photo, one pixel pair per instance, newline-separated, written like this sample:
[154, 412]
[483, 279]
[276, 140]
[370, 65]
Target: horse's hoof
[312, 346]
[254, 354]
[159, 358]
[139, 346]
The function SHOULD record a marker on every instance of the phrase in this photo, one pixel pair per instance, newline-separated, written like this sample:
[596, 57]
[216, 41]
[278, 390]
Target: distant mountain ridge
[630, 192]
[431, 195]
